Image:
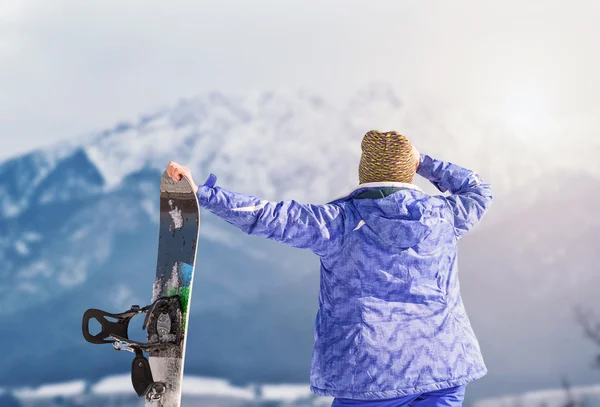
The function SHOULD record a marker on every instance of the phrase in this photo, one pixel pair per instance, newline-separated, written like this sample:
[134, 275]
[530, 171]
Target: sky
[68, 67]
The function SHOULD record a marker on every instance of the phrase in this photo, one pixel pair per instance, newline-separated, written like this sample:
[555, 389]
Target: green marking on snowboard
[184, 295]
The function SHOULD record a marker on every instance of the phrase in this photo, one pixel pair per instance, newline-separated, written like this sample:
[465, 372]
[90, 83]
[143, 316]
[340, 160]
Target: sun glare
[527, 105]
[527, 110]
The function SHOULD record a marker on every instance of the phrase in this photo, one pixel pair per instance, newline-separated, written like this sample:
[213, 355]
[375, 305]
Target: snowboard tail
[158, 378]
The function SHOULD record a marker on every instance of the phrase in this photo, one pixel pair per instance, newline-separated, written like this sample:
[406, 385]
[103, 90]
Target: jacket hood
[397, 213]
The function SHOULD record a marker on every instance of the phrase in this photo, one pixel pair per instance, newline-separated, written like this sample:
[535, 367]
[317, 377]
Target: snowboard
[158, 378]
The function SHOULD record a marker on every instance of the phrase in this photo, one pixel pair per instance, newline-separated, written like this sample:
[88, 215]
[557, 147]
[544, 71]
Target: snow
[68, 389]
[285, 145]
[119, 154]
[212, 132]
[295, 145]
[547, 398]
[196, 385]
[192, 386]
[112, 385]
[208, 386]
[286, 392]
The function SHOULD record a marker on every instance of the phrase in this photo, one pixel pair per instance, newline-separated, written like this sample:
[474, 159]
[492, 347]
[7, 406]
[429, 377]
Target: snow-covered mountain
[78, 228]
[280, 146]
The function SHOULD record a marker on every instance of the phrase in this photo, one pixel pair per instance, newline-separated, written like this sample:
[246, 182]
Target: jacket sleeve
[314, 227]
[470, 196]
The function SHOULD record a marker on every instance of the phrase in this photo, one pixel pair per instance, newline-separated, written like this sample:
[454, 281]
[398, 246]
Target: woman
[391, 328]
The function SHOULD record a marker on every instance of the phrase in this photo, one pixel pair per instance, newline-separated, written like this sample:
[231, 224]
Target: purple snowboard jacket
[391, 321]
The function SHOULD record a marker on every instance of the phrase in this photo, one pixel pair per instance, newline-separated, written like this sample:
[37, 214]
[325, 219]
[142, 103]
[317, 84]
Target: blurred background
[274, 97]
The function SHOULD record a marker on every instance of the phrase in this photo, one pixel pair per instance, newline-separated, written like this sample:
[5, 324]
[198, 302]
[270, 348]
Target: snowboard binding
[163, 323]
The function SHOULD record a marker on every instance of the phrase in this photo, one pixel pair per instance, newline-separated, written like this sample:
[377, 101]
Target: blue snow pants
[452, 397]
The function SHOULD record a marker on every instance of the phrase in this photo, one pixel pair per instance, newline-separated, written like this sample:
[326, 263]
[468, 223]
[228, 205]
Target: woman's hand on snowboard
[177, 171]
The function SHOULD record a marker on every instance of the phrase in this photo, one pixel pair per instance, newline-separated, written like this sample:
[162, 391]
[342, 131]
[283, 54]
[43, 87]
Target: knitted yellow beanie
[386, 157]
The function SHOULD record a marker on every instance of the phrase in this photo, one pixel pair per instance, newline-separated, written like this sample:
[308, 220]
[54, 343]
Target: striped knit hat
[386, 157]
